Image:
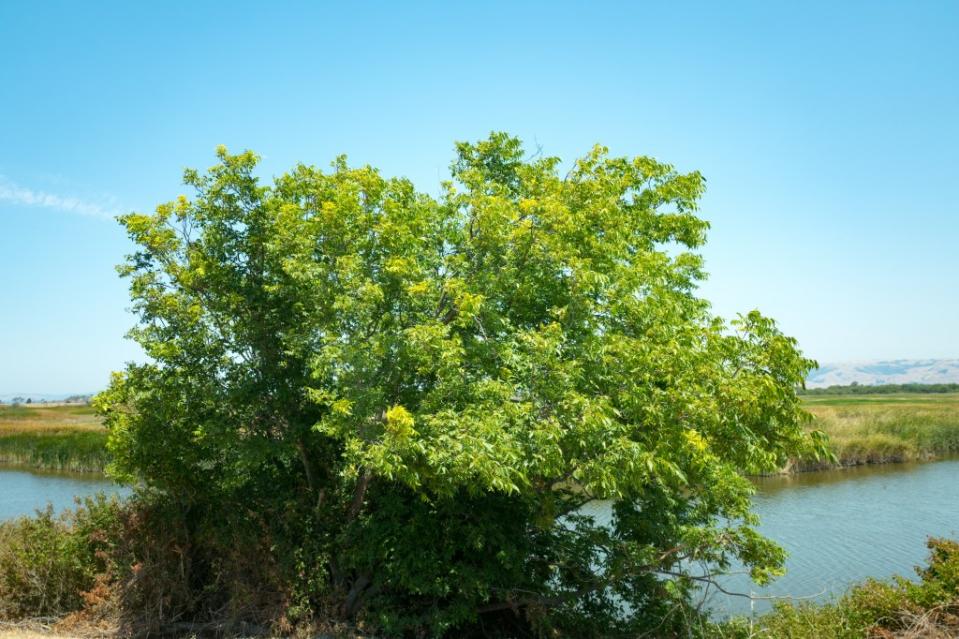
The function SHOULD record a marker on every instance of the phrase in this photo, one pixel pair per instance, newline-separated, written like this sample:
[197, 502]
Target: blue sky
[827, 131]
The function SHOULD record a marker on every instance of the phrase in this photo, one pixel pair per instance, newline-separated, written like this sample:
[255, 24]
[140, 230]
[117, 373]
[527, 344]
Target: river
[22, 492]
[839, 527]
[844, 526]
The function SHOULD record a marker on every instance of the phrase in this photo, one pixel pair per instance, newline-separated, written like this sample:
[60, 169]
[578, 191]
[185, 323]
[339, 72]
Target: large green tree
[420, 394]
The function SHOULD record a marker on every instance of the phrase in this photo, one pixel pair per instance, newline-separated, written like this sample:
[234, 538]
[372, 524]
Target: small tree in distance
[412, 398]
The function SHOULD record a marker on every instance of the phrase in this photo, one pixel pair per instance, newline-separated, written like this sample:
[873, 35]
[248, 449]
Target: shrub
[47, 562]
[175, 568]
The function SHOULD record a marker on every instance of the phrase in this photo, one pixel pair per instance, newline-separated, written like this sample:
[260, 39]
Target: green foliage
[47, 562]
[940, 579]
[416, 395]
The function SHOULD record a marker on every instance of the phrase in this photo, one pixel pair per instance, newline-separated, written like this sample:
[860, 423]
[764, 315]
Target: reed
[60, 438]
[886, 428]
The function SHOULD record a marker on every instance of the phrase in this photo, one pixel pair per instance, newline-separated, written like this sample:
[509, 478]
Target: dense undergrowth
[139, 568]
[49, 562]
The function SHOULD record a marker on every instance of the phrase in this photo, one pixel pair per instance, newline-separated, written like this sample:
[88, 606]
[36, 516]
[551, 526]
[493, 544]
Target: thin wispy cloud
[15, 194]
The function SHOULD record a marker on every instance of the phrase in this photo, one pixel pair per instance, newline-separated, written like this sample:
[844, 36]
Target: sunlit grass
[66, 437]
[888, 428]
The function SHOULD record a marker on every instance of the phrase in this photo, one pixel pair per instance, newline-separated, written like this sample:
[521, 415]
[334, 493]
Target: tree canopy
[419, 394]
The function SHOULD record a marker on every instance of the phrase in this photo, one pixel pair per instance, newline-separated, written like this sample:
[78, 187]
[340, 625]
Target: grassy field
[875, 429]
[65, 437]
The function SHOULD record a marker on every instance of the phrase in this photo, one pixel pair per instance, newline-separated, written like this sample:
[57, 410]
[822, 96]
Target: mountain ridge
[877, 372]
[866, 373]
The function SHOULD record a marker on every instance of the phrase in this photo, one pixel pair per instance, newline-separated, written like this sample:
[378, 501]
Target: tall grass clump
[873, 430]
[61, 451]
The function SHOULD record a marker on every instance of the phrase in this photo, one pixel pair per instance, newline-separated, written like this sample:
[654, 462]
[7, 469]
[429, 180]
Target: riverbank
[66, 437]
[884, 428]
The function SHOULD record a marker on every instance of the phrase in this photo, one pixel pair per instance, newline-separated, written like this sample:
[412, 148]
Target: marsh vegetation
[68, 437]
[884, 428]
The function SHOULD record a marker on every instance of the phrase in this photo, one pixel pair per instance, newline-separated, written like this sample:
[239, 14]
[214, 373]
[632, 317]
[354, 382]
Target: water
[22, 492]
[841, 527]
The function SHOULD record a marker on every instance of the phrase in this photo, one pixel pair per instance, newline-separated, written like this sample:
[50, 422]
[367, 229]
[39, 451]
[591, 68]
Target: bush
[939, 583]
[174, 567]
[48, 562]
[875, 448]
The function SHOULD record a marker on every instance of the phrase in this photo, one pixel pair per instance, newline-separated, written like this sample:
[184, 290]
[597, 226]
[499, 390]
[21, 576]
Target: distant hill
[45, 397]
[899, 371]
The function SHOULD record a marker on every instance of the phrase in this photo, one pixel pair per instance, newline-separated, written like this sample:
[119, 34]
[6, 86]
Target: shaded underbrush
[140, 567]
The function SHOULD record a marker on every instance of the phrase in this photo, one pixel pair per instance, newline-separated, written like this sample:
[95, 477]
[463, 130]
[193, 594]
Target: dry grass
[41, 631]
[61, 437]
[27, 634]
[39, 418]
